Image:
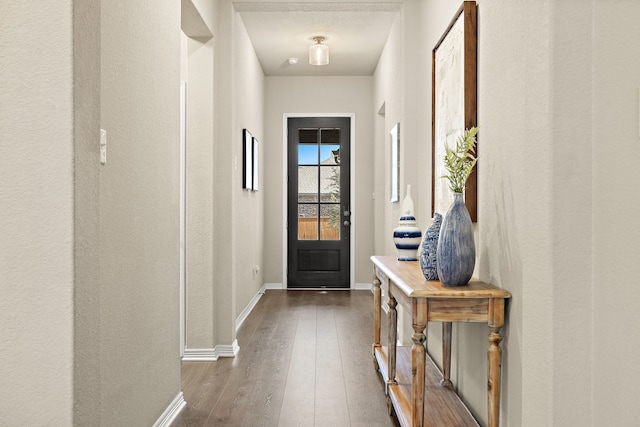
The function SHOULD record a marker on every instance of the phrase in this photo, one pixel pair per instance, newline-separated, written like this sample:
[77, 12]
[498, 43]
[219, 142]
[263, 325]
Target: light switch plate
[103, 146]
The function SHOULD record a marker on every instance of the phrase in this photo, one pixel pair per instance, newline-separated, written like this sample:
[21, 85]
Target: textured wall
[558, 116]
[36, 223]
[616, 201]
[198, 59]
[86, 73]
[248, 104]
[139, 211]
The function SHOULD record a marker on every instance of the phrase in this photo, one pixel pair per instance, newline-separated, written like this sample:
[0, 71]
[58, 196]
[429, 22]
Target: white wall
[198, 71]
[86, 353]
[237, 236]
[199, 239]
[139, 211]
[389, 94]
[36, 225]
[89, 253]
[616, 202]
[248, 106]
[559, 119]
[320, 95]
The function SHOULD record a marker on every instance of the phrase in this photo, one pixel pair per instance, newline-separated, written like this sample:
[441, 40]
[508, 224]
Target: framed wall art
[255, 160]
[395, 162]
[247, 159]
[454, 102]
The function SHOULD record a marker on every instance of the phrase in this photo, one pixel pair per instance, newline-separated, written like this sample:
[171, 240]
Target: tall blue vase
[456, 253]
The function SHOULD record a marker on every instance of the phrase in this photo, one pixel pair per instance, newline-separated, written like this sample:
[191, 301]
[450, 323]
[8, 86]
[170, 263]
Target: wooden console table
[413, 384]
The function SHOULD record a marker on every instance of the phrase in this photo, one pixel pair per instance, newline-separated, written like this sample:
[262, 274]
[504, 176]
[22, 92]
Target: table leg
[494, 360]
[494, 357]
[418, 357]
[392, 329]
[392, 337]
[377, 311]
[446, 355]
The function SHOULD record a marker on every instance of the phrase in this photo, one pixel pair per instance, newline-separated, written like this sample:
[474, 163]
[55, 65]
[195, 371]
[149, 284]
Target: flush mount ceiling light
[318, 53]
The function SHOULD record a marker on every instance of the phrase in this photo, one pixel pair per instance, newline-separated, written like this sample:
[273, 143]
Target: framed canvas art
[247, 159]
[454, 102]
[255, 161]
[395, 162]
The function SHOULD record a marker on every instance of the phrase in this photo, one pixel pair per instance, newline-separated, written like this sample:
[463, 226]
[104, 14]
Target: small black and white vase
[407, 235]
[428, 262]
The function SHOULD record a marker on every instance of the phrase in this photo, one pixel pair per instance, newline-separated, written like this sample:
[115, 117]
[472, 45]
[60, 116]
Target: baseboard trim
[228, 350]
[172, 411]
[211, 354]
[200, 355]
[247, 310]
[357, 286]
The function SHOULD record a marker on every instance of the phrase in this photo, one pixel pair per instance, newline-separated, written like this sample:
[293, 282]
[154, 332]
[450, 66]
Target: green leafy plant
[460, 161]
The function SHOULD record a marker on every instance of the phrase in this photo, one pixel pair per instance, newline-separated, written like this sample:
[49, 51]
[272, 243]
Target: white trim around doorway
[352, 181]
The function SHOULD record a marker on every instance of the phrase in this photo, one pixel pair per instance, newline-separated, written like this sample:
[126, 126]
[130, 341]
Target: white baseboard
[273, 286]
[357, 286]
[211, 354]
[243, 316]
[171, 412]
[228, 350]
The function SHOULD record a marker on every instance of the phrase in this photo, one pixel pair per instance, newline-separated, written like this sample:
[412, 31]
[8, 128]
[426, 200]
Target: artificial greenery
[460, 161]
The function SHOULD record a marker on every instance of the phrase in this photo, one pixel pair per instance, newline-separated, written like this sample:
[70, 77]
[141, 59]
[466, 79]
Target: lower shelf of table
[442, 406]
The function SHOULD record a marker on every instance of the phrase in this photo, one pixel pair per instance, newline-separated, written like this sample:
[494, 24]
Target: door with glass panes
[319, 216]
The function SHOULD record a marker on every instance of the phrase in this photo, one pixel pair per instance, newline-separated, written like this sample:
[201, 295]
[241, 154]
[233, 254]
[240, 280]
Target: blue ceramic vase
[407, 237]
[429, 249]
[456, 253]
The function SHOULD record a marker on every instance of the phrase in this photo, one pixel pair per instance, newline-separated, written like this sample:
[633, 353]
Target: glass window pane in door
[308, 184]
[330, 184]
[329, 154]
[307, 221]
[308, 154]
[330, 222]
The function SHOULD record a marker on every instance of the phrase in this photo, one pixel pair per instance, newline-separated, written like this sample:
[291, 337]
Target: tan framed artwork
[454, 102]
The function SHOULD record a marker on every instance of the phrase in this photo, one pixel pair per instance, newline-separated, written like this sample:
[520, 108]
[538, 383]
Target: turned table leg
[418, 358]
[392, 329]
[494, 359]
[392, 336]
[446, 355]
[377, 313]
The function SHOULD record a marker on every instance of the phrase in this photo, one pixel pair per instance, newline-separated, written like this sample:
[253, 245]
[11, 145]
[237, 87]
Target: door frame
[352, 203]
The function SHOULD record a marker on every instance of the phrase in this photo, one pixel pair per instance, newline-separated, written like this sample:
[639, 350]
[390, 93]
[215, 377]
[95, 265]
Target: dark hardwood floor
[305, 360]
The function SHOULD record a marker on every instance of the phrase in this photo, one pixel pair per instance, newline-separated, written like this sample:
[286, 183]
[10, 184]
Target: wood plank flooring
[305, 360]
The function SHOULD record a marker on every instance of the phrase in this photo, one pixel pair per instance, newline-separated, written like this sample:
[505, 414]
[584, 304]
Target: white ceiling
[354, 32]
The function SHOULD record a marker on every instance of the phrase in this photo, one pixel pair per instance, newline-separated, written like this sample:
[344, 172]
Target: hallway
[305, 360]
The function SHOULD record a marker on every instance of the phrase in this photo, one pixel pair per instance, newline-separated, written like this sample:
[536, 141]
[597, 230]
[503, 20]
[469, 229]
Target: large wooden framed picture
[454, 102]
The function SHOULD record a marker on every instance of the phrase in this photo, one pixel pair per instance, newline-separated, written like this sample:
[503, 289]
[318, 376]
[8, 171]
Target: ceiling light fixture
[318, 53]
